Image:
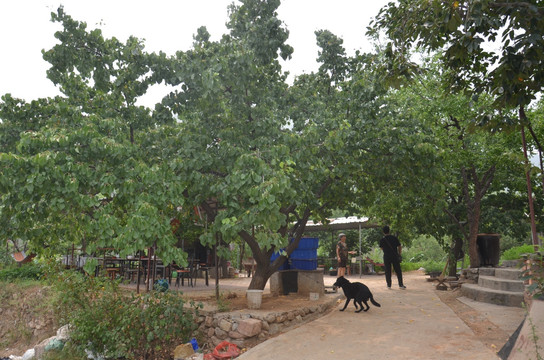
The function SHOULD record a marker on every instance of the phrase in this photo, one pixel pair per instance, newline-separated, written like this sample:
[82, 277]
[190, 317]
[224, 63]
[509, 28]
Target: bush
[30, 271]
[409, 266]
[424, 249]
[433, 266]
[508, 242]
[516, 252]
[113, 324]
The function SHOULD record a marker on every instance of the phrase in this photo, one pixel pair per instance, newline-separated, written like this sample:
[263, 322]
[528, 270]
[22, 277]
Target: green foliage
[508, 242]
[511, 70]
[223, 303]
[68, 352]
[423, 249]
[29, 271]
[410, 266]
[5, 258]
[431, 266]
[258, 156]
[89, 168]
[114, 324]
[516, 253]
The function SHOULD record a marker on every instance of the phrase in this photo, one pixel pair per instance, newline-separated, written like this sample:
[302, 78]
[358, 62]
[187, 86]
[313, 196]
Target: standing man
[342, 254]
[392, 250]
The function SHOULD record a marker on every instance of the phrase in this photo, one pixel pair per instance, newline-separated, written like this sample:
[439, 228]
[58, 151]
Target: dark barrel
[489, 249]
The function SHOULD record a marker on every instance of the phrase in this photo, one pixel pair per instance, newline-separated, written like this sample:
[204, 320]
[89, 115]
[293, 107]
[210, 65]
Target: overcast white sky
[167, 25]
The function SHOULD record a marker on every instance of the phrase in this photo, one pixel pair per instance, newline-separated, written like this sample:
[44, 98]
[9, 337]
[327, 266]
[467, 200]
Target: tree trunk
[528, 178]
[473, 236]
[260, 277]
[473, 206]
[264, 268]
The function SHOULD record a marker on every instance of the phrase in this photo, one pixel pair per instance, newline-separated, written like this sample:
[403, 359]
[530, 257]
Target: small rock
[225, 325]
[221, 334]
[63, 333]
[183, 351]
[235, 335]
[250, 327]
[209, 321]
[274, 329]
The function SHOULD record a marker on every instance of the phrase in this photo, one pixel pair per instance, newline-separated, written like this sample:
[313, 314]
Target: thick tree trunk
[473, 235]
[260, 277]
[473, 205]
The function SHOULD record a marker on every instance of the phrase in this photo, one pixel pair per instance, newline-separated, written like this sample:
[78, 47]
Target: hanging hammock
[23, 258]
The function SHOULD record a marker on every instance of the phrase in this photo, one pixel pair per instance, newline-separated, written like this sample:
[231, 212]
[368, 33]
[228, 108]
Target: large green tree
[87, 167]
[493, 47]
[475, 168]
[261, 157]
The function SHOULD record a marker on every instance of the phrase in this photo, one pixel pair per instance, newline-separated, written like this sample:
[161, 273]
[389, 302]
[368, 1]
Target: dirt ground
[486, 331]
[25, 318]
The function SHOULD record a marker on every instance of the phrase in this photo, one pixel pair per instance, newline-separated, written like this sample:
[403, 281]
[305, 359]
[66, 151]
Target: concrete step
[508, 273]
[503, 273]
[498, 297]
[486, 271]
[496, 283]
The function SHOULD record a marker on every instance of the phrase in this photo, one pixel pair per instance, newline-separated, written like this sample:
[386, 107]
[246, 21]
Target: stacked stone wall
[247, 328]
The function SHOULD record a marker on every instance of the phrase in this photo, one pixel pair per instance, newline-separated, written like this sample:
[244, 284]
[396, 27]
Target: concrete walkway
[410, 324]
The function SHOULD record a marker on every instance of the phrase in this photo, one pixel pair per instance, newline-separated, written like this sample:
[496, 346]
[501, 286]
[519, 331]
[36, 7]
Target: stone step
[508, 273]
[486, 271]
[496, 283]
[503, 273]
[498, 297]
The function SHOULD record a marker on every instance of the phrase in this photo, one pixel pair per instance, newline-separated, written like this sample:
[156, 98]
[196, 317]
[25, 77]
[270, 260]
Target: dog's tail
[374, 301]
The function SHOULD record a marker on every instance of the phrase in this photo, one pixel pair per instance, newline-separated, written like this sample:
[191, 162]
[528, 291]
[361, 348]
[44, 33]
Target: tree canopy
[258, 155]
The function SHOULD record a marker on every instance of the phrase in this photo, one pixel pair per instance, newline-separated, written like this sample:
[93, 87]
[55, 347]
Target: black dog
[356, 291]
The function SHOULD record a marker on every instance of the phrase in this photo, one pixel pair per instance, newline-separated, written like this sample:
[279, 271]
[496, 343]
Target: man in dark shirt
[392, 250]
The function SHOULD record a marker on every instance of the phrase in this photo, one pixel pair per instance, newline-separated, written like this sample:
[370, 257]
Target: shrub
[409, 266]
[433, 266]
[113, 324]
[516, 252]
[424, 249]
[30, 271]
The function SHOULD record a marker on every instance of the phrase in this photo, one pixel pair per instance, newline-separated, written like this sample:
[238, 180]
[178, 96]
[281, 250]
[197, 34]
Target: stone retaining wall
[248, 328]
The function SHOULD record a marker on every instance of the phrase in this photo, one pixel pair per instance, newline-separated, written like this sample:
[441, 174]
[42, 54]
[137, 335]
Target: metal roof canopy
[343, 223]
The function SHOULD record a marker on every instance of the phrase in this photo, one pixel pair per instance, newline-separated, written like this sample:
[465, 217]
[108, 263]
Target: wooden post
[139, 270]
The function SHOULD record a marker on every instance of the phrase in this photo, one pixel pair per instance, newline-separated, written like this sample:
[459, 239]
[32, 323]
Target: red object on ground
[226, 350]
